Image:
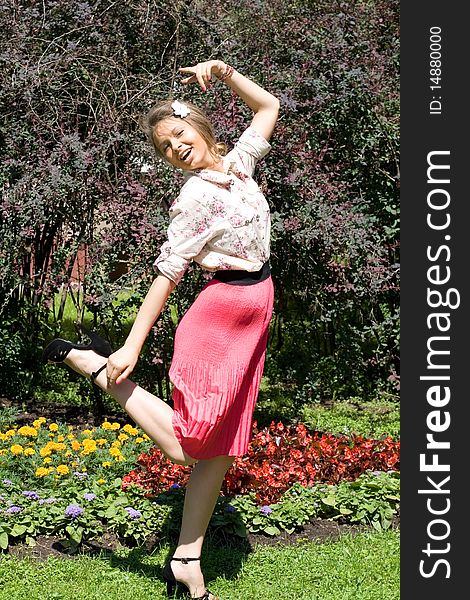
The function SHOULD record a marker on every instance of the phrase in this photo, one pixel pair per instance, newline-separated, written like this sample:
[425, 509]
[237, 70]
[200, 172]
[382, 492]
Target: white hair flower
[180, 109]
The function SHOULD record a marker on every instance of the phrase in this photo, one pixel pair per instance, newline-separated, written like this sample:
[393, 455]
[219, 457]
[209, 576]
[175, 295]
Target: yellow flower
[29, 451]
[139, 440]
[89, 446]
[58, 446]
[68, 453]
[16, 449]
[130, 430]
[106, 464]
[100, 481]
[27, 431]
[4, 451]
[106, 425]
[42, 472]
[63, 470]
[115, 426]
[76, 446]
[115, 452]
[116, 444]
[122, 437]
[38, 422]
[102, 442]
[146, 437]
[53, 427]
[47, 460]
[10, 432]
[50, 446]
[87, 432]
[70, 436]
[61, 438]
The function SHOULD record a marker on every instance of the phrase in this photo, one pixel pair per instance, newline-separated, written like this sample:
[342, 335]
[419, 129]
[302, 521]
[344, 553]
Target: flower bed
[278, 457]
[55, 480]
[43, 454]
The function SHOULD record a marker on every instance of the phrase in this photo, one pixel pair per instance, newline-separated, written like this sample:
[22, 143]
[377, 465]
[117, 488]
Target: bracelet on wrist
[228, 72]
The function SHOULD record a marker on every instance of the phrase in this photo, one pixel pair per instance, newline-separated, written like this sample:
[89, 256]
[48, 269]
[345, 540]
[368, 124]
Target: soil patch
[52, 546]
[318, 531]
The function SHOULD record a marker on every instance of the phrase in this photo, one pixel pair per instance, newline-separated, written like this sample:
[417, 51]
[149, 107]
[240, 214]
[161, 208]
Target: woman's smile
[184, 156]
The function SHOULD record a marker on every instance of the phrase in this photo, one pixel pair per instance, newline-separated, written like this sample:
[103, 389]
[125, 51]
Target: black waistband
[235, 277]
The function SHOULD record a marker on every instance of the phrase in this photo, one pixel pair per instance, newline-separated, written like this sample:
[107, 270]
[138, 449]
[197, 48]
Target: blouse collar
[222, 179]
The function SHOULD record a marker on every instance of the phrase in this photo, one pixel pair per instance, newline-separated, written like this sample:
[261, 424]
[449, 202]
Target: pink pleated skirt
[218, 361]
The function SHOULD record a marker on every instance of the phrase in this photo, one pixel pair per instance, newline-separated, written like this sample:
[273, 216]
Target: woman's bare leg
[152, 414]
[201, 496]
[155, 417]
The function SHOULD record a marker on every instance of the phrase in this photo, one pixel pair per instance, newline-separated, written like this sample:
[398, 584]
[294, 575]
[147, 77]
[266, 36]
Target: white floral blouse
[220, 220]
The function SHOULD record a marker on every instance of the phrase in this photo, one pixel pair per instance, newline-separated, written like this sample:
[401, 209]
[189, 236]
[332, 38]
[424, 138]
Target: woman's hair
[196, 118]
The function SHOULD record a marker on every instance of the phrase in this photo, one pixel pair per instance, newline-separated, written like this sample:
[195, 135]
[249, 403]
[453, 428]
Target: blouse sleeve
[188, 232]
[251, 147]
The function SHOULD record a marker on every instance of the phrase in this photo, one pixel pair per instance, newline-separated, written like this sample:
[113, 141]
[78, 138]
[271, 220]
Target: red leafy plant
[279, 456]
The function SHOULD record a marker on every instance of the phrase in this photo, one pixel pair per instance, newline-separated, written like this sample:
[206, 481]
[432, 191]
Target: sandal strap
[94, 375]
[185, 560]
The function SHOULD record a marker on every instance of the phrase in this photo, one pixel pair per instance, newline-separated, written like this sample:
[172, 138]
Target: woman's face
[182, 145]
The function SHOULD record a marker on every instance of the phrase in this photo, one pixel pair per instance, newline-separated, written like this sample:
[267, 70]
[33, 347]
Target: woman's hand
[121, 364]
[262, 103]
[203, 72]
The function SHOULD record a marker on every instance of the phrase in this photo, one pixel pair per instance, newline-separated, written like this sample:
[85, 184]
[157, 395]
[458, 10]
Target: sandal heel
[172, 582]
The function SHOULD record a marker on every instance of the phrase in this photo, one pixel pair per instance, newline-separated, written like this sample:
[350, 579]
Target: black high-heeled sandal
[58, 350]
[172, 582]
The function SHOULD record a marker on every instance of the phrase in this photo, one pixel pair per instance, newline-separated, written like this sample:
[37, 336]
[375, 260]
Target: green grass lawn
[372, 419]
[367, 419]
[360, 567]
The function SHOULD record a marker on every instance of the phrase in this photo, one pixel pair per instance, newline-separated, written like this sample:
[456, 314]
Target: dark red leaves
[278, 456]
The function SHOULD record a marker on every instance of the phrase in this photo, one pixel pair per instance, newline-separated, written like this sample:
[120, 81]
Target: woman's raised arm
[264, 105]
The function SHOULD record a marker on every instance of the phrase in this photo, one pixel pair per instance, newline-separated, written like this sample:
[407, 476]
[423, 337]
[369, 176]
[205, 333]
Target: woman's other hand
[203, 73]
[121, 364]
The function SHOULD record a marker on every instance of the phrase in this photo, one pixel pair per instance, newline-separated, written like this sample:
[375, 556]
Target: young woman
[220, 220]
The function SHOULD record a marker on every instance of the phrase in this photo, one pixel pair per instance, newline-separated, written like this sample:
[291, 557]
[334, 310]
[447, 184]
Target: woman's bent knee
[179, 457]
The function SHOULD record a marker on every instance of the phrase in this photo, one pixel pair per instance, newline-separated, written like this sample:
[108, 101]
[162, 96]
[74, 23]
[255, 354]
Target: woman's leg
[201, 496]
[152, 414]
